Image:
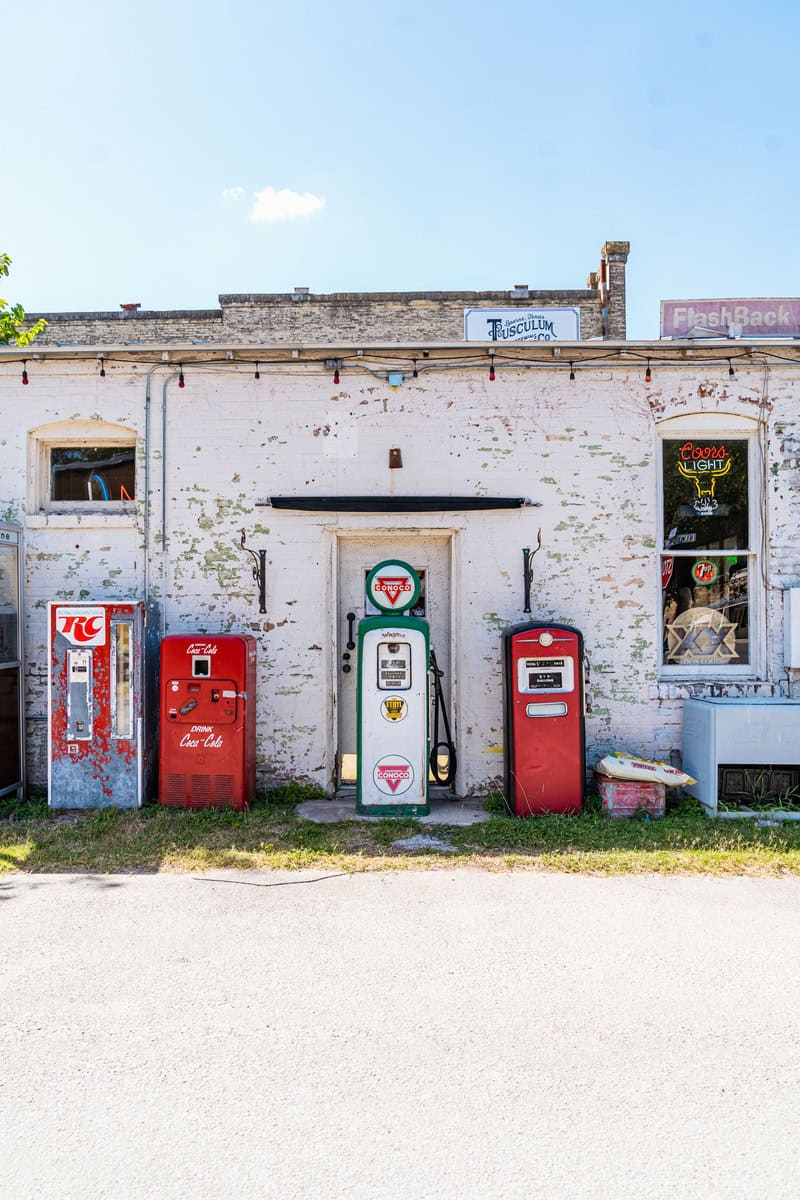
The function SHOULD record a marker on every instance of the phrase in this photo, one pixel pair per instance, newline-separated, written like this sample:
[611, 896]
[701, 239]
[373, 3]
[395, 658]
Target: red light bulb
[181, 380]
[336, 375]
[491, 373]
[24, 375]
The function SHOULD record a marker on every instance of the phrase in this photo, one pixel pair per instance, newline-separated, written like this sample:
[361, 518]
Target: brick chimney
[610, 284]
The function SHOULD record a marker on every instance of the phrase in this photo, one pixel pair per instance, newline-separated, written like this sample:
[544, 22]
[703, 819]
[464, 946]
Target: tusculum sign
[522, 324]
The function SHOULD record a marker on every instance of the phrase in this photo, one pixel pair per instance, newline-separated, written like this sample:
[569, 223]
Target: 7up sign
[393, 586]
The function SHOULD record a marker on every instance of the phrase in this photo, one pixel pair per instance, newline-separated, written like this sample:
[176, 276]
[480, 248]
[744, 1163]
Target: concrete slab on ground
[444, 811]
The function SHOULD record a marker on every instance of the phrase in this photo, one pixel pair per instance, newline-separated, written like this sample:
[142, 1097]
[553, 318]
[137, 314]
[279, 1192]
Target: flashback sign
[522, 324]
[393, 586]
[737, 318]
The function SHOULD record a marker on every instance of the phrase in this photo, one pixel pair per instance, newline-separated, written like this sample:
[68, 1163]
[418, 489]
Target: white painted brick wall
[586, 450]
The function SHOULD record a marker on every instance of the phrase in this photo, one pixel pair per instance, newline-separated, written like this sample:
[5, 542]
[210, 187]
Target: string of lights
[402, 366]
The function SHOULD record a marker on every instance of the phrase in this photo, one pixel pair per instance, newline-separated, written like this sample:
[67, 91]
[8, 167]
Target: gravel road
[417, 1035]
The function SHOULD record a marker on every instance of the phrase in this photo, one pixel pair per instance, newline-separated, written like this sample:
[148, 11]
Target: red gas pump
[207, 750]
[544, 719]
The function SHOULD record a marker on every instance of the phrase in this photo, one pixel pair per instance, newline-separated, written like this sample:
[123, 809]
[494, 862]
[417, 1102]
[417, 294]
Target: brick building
[623, 448]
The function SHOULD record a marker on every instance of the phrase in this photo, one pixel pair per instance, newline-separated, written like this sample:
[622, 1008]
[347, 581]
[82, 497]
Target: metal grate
[223, 789]
[757, 784]
[175, 790]
[200, 790]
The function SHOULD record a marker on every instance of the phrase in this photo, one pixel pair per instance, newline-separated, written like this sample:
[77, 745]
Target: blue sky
[431, 145]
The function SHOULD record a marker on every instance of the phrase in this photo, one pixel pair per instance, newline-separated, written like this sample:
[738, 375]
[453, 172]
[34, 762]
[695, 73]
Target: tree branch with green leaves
[12, 318]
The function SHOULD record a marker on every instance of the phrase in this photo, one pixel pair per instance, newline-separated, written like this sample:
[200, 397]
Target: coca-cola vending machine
[101, 704]
[207, 754]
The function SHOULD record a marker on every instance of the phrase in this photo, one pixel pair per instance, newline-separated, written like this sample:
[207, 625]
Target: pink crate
[624, 797]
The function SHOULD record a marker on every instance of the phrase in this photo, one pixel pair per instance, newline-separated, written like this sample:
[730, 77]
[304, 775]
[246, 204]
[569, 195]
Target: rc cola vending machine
[101, 704]
[393, 697]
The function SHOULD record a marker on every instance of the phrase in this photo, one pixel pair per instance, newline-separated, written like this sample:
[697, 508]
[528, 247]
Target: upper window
[97, 473]
[81, 467]
[709, 558]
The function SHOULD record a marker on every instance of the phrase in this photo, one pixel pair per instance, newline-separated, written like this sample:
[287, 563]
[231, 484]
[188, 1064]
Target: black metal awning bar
[396, 504]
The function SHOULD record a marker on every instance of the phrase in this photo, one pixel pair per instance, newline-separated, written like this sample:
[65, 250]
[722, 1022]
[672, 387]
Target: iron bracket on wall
[527, 567]
[259, 573]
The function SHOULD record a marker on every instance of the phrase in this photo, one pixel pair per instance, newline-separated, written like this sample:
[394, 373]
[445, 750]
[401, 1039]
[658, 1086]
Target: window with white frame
[81, 466]
[711, 593]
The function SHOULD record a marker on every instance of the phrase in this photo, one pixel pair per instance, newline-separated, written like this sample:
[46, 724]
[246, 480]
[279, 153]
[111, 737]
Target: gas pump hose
[446, 744]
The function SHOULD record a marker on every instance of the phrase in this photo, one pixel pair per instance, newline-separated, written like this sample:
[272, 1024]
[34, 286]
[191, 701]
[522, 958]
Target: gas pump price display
[394, 666]
[545, 675]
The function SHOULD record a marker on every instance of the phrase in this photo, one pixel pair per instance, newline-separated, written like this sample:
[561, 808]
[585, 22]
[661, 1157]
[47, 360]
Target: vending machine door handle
[351, 616]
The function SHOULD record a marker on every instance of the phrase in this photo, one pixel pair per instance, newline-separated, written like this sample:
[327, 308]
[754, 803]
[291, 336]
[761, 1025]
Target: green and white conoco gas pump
[392, 697]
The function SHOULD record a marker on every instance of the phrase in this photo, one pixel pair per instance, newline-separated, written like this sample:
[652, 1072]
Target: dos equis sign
[393, 586]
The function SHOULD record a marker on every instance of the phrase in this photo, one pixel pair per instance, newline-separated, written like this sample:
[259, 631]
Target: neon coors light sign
[704, 465]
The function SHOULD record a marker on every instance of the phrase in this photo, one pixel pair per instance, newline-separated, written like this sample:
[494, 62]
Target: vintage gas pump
[207, 745]
[101, 726]
[393, 697]
[544, 719]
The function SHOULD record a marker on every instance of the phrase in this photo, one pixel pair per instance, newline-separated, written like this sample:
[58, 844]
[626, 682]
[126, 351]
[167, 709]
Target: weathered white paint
[586, 450]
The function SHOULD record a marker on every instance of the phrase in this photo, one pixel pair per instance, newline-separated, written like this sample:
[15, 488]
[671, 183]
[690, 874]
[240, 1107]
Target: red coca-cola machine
[207, 747]
[544, 719]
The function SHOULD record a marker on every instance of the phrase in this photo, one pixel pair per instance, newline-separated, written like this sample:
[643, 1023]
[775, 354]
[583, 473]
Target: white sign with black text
[522, 324]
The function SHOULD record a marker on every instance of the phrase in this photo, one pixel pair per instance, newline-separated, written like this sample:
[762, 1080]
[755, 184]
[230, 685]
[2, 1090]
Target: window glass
[9, 604]
[705, 494]
[92, 473]
[706, 610]
[123, 708]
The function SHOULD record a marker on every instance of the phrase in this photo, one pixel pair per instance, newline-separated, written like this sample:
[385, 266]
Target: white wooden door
[429, 555]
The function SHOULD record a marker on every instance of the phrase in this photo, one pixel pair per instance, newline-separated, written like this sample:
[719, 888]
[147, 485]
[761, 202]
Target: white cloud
[283, 205]
[233, 193]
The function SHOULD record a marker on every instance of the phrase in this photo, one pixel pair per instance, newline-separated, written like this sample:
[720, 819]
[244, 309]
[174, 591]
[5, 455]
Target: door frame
[337, 534]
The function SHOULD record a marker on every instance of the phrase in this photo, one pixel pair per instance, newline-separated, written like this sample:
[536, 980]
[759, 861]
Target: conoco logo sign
[393, 775]
[393, 585]
[392, 588]
[82, 627]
